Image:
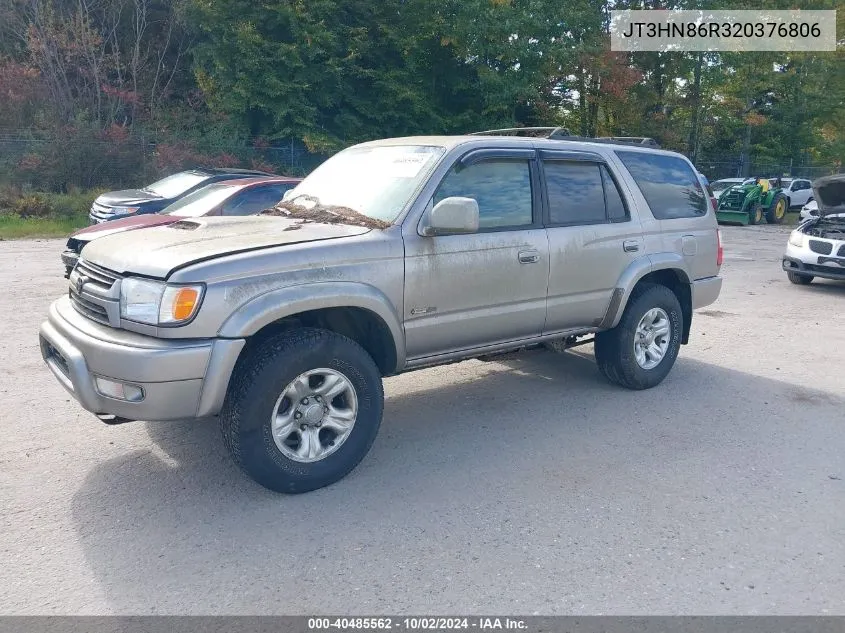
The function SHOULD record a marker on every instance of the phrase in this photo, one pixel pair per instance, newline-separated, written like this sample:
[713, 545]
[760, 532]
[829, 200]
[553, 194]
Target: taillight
[714, 204]
[720, 252]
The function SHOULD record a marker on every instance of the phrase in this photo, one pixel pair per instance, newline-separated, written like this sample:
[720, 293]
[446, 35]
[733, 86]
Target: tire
[258, 391]
[756, 214]
[614, 348]
[801, 280]
[776, 213]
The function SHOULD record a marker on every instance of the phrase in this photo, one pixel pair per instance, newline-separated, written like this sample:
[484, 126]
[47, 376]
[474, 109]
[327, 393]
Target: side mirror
[452, 215]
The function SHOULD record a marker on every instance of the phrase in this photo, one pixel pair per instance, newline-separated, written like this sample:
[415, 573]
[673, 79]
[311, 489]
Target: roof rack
[563, 134]
[541, 132]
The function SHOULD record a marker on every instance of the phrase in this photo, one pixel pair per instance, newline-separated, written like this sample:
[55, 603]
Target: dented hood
[829, 193]
[157, 251]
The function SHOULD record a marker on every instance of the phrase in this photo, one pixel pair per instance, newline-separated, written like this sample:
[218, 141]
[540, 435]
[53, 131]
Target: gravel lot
[526, 485]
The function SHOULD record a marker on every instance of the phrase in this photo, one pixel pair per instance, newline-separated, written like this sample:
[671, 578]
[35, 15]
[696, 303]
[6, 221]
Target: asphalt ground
[525, 486]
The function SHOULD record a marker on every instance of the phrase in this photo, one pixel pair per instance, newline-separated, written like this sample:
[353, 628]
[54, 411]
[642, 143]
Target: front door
[468, 291]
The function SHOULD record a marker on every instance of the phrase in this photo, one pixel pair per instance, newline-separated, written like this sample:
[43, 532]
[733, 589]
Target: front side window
[502, 189]
[255, 200]
[668, 184]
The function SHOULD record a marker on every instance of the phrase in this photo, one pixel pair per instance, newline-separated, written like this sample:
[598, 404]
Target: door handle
[630, 246]
[529, 257]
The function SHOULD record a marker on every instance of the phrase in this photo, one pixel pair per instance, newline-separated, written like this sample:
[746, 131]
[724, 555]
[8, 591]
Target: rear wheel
[801, 280]
[777, 211]
[302, 410]
[639, 352]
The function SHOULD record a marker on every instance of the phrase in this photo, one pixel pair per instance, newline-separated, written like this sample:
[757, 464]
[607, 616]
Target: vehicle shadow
[515, 454]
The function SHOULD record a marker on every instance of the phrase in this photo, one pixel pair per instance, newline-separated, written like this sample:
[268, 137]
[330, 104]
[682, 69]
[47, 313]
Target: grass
[13, 227]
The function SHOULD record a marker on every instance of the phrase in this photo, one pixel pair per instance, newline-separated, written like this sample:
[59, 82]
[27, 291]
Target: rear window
[668, 184]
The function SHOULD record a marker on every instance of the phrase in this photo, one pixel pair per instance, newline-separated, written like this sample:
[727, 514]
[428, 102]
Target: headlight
[796, 238]
[125, 210]
[157, 303]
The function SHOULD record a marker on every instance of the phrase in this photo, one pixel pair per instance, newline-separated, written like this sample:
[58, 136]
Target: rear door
[677, 200]
[592, 238]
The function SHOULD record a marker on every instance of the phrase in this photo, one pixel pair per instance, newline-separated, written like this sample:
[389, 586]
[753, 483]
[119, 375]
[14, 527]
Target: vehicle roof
[257, 180]
[450, 142]
[218, 171]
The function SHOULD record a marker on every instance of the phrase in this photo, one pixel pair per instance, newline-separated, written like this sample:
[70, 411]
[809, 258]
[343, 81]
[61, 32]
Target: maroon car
[245, 196]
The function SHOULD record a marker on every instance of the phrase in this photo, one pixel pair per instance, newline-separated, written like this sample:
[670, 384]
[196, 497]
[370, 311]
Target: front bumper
[794, 265]
[802, 260]
[180, 379]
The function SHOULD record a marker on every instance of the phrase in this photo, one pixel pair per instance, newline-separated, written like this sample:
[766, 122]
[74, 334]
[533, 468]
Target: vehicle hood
[157, 251]
[126, 197]
[124, 224]
[829, 193]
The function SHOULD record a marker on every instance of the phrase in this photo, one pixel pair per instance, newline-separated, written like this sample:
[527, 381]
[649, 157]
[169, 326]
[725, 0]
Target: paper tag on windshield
[405, 165]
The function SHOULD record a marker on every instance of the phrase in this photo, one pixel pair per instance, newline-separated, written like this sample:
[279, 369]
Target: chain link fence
[721, 168]
[63, 162]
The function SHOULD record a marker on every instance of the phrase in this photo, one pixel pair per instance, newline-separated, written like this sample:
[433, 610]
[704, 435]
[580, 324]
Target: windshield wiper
[323, 214]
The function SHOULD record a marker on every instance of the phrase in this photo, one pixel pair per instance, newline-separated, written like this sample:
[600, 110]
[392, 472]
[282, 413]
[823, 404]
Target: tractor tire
[800, 280]
[776, 213]
[756, 215]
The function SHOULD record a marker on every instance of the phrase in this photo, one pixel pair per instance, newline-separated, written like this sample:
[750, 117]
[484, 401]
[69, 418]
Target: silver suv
[391, 256]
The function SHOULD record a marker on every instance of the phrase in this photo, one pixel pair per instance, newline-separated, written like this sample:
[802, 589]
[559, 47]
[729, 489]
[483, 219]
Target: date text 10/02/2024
[416, 624]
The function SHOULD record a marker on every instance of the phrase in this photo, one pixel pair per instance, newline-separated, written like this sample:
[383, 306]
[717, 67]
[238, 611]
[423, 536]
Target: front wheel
[756, 214]
[302, 410]
[639, 352]
[801, 280]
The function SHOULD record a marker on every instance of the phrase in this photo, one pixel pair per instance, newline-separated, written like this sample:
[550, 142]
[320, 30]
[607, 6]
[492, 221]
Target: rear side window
[575, 192]
[668, 184]
[582, 193]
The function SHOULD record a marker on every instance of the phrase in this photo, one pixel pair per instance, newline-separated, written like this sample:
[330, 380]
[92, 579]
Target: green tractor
[749, 204]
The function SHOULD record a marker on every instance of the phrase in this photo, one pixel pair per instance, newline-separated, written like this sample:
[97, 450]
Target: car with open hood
[816, 248]
[243, 196]
[153, 198]
[391, 256]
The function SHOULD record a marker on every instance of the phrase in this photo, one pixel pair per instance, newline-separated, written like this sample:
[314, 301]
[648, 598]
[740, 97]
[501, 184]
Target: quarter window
[668, 184]
[502, 189]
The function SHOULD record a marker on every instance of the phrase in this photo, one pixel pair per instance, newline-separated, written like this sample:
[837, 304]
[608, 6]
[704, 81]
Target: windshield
[374, 181]
[721, 185]
[201, 201]
[172, 186]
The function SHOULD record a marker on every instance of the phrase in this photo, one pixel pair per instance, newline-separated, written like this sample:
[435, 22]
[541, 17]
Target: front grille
[102, 278]
[89, 308]
[98, 287]
[822, 248]
[99, 209]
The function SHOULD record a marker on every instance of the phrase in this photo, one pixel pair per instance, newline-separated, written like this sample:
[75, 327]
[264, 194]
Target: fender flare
[271, 306]
[632, 275]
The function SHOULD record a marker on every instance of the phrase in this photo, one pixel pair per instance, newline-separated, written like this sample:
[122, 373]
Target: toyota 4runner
[393, 255]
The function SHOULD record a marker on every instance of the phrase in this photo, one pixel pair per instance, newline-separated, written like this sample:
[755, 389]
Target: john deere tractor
[749, 204]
